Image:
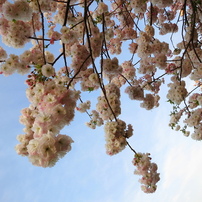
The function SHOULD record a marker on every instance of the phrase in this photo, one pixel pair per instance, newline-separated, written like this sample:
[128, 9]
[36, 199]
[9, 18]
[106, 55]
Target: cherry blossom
[74, 48]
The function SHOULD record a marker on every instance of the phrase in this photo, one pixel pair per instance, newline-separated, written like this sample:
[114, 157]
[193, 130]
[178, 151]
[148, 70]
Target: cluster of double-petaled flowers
[52, 107]
[147, 170]
[115, 136]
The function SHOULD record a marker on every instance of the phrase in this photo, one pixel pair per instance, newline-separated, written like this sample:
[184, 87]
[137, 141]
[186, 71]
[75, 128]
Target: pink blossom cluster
[194, 118]
[150, 101]
[1, 4]
[20, 10]
[45, 5]
[147, 46]
[119, 81]
[183, 68]
[54, 35]
[167, 28]
[89, 80]
[13, 64]
[120, 12]
[177, 91]
[52, 107]
[111, 68]
[101, 8]
[108, 105]
[147, 170]
[126, 33]
[139, 6]
[68, 36]
[195, 100]
[95, 120]
[115, 46]
[162, 3]
[60, 15]
[135, 92]
[146, 67]
[115, 136]
[197, 134]
[175, 117]
[144, 48]
[80, 57]
[196, 74]
[95, 43]
[44, 151]
[83, 106]
[3, 54]
[34, 56]
[15, 33]
[128, 70]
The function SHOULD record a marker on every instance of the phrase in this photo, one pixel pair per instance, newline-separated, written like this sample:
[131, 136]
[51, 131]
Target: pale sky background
[87, 173]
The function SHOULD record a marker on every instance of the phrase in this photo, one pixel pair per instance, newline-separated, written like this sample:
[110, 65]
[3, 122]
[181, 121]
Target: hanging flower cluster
[52, 107]
[115, 135]
[148, 171]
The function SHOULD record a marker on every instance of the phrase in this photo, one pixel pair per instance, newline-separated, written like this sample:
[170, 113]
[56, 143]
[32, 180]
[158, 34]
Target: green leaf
[90, 89]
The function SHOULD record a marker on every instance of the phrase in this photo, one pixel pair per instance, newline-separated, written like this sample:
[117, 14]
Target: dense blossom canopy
[93, 38]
